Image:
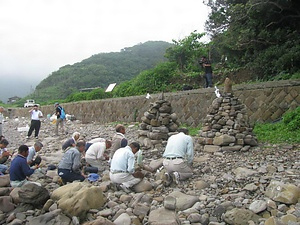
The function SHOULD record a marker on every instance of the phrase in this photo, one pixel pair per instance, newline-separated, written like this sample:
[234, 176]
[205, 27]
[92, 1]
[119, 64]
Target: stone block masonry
[265, 102]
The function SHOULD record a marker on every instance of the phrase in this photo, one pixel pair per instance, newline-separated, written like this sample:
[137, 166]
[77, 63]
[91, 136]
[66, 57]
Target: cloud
[39, 36]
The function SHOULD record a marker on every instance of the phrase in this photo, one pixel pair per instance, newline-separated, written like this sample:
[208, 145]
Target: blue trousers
[69, 176]
[208, 79]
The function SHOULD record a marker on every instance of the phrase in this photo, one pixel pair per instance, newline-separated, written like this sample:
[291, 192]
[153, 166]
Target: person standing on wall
[60, 113]
[206, 64]
[35, 124]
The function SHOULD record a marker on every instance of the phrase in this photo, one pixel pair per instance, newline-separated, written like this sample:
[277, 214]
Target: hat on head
[56, 103]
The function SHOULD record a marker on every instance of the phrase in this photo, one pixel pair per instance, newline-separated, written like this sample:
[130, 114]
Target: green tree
[262, 35]
[186, 51]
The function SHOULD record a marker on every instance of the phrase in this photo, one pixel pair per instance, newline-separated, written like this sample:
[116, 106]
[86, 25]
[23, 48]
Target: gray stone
[6, 204]
[123, 219]
[258, 206]
[170, 203]
[242, 173]
[194, 217]
[4, 181]
[142, 186]
[33, 194]
[211, 148]
[285, 193]
[223, 140]
[239, 216]
[162, 216]
[184, 201]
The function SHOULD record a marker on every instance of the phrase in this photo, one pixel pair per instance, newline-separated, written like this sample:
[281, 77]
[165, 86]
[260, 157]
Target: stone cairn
[157, 124]
[226, 127]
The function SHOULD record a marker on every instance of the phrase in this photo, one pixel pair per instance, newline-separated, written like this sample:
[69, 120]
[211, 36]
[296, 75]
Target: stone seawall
[265, 102]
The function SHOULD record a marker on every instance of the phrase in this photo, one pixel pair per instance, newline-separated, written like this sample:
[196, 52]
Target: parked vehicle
[30, 103]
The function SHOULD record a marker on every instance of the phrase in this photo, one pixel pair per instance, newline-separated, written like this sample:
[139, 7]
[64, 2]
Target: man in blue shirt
[19, 169]
[178, 157]
[122, 167]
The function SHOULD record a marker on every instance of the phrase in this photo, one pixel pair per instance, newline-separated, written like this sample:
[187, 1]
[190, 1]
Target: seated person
[4, 155]
[69, 168]
[96, 153]
[32, 152]
[19, 169]
[72, 141]
[122, 169]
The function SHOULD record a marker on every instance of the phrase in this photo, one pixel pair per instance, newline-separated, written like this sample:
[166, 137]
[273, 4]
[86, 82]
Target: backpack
[62, 113]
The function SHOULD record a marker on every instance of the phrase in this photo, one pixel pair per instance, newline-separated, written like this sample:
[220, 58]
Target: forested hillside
[100, 70]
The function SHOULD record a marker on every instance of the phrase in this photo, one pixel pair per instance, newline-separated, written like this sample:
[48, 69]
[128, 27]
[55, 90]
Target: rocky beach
[257, 186]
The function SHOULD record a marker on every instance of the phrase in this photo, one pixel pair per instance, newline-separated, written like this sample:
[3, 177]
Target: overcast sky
[37, 37]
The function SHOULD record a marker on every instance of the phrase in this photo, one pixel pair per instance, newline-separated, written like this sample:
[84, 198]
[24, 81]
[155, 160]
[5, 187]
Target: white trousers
[180, 166]
[126, 179]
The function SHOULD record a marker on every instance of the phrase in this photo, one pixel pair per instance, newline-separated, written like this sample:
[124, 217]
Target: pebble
[222, 182]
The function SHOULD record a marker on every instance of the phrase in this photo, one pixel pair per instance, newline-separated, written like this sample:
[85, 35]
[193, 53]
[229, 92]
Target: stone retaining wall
[265, 102]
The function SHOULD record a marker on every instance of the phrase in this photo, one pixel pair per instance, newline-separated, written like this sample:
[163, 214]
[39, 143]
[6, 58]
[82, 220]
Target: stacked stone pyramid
[158, 123]
[226, 126]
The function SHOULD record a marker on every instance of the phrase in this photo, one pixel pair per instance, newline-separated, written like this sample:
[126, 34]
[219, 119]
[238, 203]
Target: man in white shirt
[178, 157]
[31, 160]
[95, 154]
[35, 124]
[122, 169]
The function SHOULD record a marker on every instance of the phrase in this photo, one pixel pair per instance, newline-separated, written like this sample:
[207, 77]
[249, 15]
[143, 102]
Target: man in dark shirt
[19, 169]
[206, 64]
[59, 121]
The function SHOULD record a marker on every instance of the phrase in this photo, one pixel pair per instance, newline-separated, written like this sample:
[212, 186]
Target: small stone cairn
[157, 124]
[226, 127]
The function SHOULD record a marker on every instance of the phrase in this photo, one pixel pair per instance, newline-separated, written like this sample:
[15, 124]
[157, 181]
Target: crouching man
[19, 169]
[31, 159]
[178, 157]
[122, 167]
[69, 168]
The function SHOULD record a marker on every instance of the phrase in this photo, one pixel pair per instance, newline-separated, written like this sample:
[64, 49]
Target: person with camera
[206, 64]
[35, 124]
